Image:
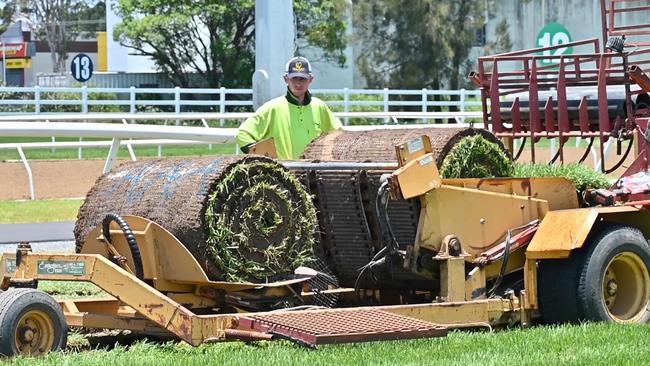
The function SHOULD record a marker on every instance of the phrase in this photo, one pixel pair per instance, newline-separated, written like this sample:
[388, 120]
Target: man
[292, 121]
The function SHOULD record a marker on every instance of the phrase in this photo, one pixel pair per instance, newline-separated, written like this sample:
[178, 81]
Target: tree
[423, 44]
[58, 22]
[216, 39]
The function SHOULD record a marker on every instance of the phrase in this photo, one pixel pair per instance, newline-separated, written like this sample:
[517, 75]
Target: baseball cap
[298, 67]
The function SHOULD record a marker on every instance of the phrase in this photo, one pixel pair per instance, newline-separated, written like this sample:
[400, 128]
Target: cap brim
[298, 75]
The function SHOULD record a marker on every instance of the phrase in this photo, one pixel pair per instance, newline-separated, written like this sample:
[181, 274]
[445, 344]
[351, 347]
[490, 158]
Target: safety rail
[37, 100]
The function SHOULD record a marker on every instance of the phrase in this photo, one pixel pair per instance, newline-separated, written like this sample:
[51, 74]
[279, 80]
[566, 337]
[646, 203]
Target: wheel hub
[612, 287]
[625, 287]
[27, 334]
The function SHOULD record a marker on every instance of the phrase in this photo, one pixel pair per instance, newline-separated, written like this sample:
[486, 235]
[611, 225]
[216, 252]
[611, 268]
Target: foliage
[476, 157]
[582, 176]
[216, 39]
[77, 107]
[412, 47]
[59, 22]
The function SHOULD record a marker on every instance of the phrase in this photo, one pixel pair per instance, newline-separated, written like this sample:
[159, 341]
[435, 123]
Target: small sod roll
[243, 218]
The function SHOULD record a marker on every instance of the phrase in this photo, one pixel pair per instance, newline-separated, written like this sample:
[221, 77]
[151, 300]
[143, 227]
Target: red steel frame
[592, 68]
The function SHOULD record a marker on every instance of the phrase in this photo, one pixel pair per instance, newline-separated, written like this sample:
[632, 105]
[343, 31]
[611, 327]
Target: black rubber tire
[627, 247]
[15, 304]
[557, 290]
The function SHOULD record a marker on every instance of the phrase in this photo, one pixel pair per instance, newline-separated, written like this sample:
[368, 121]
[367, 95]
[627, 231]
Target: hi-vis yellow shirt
[292, 126]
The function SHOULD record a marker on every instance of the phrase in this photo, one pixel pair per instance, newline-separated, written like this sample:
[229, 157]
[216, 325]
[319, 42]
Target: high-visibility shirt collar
[293, 100]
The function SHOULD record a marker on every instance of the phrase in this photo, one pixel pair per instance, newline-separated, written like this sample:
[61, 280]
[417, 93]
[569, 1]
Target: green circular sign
[553, 34]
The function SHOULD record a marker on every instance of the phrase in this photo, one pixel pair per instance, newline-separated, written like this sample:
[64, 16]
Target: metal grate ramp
[342, 326]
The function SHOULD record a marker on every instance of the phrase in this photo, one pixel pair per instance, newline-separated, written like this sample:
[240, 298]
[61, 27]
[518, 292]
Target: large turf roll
[379, 145]
[243, 218]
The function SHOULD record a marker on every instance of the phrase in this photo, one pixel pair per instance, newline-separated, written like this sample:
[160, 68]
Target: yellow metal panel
[475, 284]
[418, 176]
[559, 192]
[264, 147]
[475, 313]
[530, 283]
[413, 149]
[102, 52]
[565, 230]
[452, 279]
[515, 263]
[479, 219]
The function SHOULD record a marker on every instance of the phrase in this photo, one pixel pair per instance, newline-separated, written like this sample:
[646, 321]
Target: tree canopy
[57, 22]
[419, 43]
[216, 40]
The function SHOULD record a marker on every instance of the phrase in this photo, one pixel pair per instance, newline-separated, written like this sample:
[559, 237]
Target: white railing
[69, 126]
[37, 100]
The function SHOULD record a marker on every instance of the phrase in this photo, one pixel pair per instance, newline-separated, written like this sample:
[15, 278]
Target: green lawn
[93, 153]
[590, 344]
[16, 212]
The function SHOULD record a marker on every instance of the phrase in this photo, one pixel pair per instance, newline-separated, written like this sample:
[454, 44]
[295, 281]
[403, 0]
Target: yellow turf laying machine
[485, 253]
[535, 245]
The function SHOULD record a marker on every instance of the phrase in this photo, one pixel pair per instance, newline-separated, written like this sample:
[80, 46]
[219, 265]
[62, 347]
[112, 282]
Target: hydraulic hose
[130, 239]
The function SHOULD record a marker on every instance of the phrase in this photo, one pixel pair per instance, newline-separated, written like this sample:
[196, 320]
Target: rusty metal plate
[342, 326]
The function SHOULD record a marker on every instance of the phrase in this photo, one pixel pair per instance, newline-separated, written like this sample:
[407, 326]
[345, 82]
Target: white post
[274, 41]
[30, 177]
[425, 99]
[346, 103]
[177, 103]
[132, 99]
[386, 104]
[222, 105]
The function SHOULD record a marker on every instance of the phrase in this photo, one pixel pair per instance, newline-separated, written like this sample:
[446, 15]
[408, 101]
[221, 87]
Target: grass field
[587, 344]
[93, 153]
[16, 212]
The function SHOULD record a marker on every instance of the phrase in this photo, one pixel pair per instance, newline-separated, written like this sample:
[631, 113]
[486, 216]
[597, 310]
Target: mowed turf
[17, 212]
[587, 344]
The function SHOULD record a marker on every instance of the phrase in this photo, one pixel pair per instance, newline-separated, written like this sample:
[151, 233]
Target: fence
[37, 100]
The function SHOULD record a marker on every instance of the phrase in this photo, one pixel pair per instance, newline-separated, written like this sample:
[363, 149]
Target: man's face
[298, 86]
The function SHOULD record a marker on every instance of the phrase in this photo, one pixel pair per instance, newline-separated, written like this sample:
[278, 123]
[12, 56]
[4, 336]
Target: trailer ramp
[330, 326]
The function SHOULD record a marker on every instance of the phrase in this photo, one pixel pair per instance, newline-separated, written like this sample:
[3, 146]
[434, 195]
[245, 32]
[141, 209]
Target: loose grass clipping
[243, 218]
[476, 157]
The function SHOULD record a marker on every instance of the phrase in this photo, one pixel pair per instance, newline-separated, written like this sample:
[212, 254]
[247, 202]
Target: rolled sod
[379, 145]
[242, 218]
[476, 157]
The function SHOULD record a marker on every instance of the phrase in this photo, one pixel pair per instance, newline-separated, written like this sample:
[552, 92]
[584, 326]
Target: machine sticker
[10, 265]
[415, 145]
[62, 268]
[426, 160]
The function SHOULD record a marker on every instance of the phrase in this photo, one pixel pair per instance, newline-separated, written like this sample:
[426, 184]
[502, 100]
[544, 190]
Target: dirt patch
[74, 178]
[52, 178]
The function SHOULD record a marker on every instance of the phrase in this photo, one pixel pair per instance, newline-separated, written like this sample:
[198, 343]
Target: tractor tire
[614, 281]
[557, 290]
[31, 323]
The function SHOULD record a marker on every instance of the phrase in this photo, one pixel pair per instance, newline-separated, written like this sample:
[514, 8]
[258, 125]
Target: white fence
[37, 100]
